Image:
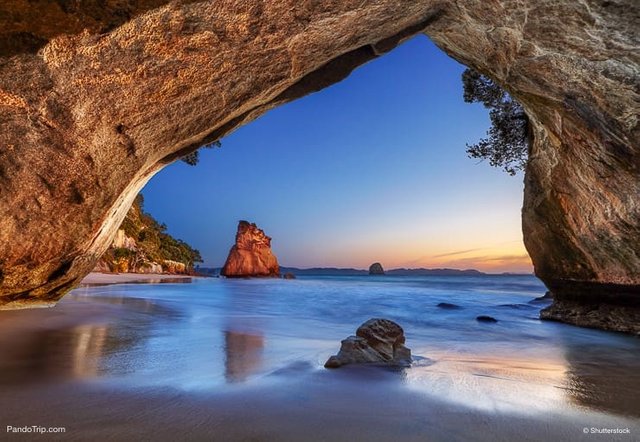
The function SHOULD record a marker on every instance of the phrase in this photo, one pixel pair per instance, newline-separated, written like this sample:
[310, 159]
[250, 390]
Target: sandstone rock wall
[251, 254]
[95, 100]
[122, 241]
[173, 266]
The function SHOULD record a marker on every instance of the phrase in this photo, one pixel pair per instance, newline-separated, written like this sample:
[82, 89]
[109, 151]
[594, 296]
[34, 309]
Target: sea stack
[251, 255]
[376, 269]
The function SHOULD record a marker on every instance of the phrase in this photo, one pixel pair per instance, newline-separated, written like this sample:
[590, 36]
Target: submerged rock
[448, 306]
[289, 275]
[378, 341]
[251, 255]
[376, 269]
[517, 306]
[485, 318]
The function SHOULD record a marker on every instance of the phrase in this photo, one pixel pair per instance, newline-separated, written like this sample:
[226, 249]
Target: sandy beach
[299, 403]
[242, 360]
[97, 278]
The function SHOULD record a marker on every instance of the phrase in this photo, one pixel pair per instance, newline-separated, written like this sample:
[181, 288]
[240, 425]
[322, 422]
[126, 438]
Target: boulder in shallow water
[377, 341]
[376, 269]
[448, 306]
[289, 275]
[485, 318]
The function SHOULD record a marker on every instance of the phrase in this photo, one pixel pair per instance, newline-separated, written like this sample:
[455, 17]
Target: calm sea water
[214, 335]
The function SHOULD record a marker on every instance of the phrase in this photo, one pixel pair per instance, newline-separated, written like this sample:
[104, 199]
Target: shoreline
[99, 278]
[198, 361]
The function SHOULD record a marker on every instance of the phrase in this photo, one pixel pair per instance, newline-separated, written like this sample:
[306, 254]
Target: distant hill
[434, 272]
[321, 271]
[334, 271]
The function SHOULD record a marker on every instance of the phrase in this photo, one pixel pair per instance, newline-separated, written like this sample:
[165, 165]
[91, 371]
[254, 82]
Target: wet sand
[298, 404]
[97, 278]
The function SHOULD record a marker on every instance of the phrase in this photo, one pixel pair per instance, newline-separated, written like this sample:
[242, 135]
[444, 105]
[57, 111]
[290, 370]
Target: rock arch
[97, 97]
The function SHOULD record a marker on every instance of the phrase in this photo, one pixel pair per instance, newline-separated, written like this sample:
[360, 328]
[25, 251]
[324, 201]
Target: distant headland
[392, 272]
[336, 271]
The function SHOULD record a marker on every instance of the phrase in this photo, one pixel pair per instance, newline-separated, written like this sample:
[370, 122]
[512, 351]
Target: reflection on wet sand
[597, 381]
[243, 355]
[492, 383]
[181, 280]
[75, 340]
[137, 304]
[73, 352]
[89, 348]
[586, 378]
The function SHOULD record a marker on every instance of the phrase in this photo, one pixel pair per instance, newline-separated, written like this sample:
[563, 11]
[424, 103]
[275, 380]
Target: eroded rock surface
[251, 254]
[377, 341]
[606, 316]
[97, 97]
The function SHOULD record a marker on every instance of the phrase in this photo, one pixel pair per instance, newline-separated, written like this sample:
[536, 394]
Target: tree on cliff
[194, 157]
[152, 239]
[507, 145]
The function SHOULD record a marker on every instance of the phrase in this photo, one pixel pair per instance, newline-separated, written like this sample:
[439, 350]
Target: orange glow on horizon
[509, 257]
[492, 260]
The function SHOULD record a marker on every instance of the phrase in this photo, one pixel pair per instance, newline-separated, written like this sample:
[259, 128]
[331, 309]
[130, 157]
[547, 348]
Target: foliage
[153, 242]
[194, 157]
[507, 145]
[122, 253]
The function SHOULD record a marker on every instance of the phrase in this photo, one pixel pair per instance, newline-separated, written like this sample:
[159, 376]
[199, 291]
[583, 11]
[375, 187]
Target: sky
[370, 169]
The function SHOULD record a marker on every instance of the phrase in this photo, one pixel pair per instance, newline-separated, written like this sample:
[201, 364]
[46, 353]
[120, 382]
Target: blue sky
[371, 169]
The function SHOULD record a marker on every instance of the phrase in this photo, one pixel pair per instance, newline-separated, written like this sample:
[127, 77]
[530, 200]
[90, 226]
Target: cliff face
[141, 245]
[251, 254]
[95, 100]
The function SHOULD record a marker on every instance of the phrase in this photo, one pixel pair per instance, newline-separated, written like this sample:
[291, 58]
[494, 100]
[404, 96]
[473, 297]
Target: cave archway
[95, 110]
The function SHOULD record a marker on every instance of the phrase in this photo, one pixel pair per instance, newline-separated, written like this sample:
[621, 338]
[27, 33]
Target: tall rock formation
[96, 97]
[251, 254]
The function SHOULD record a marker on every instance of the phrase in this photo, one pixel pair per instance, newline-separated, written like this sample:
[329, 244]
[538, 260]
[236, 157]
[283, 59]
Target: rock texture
[606, 316]
[377, 341]
[176, 267]
[251, 255]
[122, 241]
[96, 97]
[376, 269]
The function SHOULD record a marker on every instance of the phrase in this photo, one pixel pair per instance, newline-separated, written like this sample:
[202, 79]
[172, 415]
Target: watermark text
[594, 430]
[35, 429]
